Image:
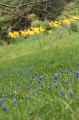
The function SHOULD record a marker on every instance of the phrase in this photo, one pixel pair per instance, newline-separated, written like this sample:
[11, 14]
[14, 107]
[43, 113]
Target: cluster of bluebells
[38, 82]
[55, 79]
[4, 106]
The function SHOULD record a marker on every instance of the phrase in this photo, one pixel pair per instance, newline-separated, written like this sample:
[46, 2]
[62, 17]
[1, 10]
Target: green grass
[47, 54]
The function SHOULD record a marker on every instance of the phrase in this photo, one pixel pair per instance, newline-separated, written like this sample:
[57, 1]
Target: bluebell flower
[37, 74]
[1, 100]
[71, 93]
[63, 81]
[56, 85]
[32, 76]
[77, 74]
[14, 101]
[56, 76]
[62, 92]
[42, 77]
[55, 81]
[4, 107]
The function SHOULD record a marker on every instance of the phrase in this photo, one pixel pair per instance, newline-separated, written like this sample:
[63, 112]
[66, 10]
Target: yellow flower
[66, 21]
[24, 33]
[41, 29]
[11, 35]
[31, 32]
[35, 29]
[75, 17]
[54, 24]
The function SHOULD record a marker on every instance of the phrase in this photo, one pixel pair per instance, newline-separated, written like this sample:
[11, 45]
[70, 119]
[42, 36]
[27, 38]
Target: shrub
[74, 27]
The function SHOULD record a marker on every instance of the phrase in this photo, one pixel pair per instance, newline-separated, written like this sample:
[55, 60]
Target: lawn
[39, 77]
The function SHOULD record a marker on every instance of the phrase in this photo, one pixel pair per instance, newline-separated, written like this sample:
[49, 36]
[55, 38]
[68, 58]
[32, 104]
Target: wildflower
[37, 74]
[42, 77]
[56, 85]
[32, 76]
[24, 33]
[66, 21]
[71, 94]
[54, 81]
[11, 35]
[56, 76]
[35, 29]
[62, 92]
[1, 100]
[63, 81]
[41, 29]
[31, 32]
[4, 107]
[77, 74]
[14, 101]
[75, 17]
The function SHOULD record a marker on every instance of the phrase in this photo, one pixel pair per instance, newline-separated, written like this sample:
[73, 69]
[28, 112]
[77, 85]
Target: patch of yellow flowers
[24, 33]
[36, 30]
[64, 21]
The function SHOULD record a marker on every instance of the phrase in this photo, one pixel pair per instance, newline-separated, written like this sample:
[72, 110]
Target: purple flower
[42, 78]
[77, 74]
[4, 107]
[55, 81]
[56, 76]
[56, 85]
[32, 76]
[63, 81]
[62, 92]
[37, 74]
[14, 101]
[1, 100]
[71, 93]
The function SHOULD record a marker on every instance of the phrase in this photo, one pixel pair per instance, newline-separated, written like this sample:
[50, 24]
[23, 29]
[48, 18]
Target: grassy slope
[58, 50]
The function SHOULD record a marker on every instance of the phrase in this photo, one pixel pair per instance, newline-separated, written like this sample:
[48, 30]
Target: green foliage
[44, 24]
[18, 61]
[32, 17]
[2, 42]
[74, 27]
[70, 9]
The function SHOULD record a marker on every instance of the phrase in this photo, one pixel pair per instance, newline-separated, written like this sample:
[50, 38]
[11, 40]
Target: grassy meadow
[39, 76]
[27, 74]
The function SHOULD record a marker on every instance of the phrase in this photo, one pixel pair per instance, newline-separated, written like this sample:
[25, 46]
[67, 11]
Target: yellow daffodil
[66, 21]
[24, 33]
[36, 30]
[75, 17]
[11, 34]
[41, 29]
